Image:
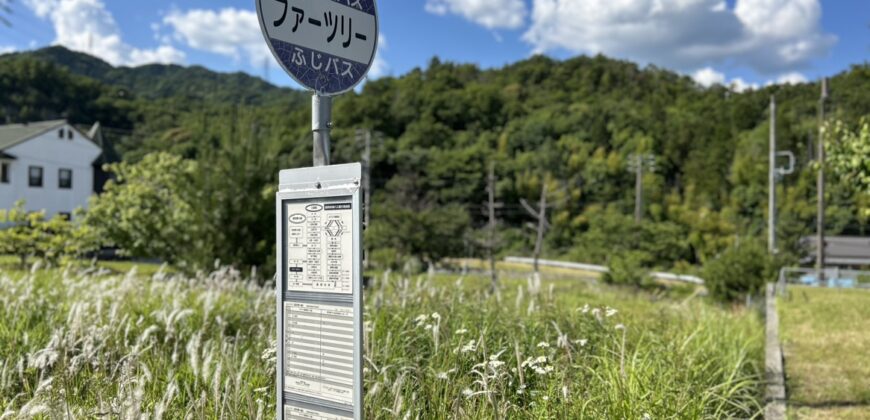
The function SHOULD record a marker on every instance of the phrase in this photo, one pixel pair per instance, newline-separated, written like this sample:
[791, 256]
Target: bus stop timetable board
[319, 299]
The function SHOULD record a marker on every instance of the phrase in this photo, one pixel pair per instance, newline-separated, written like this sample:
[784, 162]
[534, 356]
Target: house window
[4, 173]
[69, 134]
[64, 179]
[60, 133]
[34, 176]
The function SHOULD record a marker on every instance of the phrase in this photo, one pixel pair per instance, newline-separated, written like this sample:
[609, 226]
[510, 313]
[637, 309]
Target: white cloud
[769, 36]
[708, 77]
[491, 14]
[792, 78]
[6, 49]
[739, 85]
[379, 67]
[86, 25]
[230, 32]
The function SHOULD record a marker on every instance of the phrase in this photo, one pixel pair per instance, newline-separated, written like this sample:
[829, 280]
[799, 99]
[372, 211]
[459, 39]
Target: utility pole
[637, 164]
[820, 187]
[491, 227]
[367, 187]
[541, 215]
[771, 181]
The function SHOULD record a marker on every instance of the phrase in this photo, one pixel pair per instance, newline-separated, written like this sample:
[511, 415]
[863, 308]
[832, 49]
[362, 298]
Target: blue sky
[744, 43]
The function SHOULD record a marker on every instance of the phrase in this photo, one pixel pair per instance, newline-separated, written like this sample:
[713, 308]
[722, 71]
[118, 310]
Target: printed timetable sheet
[299, 413]
[318, 351]
[320, 246]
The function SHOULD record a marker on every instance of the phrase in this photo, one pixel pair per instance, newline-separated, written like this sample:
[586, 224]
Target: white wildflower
[610, 312]
[620, 327]
[469, 347]
[436, 316]
[461, 331]
[467, 392]
[581, 342]
[543, 344]
[495, 364]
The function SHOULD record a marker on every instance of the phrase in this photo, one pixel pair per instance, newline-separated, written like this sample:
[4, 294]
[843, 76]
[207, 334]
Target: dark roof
[7, 156]
[12, 134]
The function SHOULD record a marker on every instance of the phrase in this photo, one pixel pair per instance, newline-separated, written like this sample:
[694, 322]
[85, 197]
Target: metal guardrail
[602, 269]
[561, 264]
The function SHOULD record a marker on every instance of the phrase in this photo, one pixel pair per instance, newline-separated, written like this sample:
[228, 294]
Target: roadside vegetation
[94, 342]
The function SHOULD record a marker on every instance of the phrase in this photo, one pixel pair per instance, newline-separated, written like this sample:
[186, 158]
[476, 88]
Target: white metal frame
[309, 184]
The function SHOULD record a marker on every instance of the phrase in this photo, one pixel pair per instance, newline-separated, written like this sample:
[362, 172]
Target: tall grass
[454, 351]
[91, 344]
[87, 344]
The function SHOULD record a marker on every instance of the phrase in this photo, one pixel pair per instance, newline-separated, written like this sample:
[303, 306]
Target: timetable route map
[319, 246]
[318, 355]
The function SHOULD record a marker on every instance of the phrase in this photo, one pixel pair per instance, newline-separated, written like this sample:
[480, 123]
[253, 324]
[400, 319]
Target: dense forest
[571, 125]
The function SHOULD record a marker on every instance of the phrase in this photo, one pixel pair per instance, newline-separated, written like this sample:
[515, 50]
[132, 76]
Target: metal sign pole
[318, 224]
[820, 189]
[321, 123]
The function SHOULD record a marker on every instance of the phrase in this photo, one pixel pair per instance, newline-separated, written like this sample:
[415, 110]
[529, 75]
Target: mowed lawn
[826, 345]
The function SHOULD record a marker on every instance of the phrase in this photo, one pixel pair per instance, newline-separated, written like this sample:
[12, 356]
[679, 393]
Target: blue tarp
[811, 280]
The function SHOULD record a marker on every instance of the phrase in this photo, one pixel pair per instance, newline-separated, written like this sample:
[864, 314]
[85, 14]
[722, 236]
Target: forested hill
[162, 81]
[571, 124]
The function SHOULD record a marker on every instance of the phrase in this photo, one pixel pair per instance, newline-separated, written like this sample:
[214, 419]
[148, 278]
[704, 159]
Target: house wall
[51, 153]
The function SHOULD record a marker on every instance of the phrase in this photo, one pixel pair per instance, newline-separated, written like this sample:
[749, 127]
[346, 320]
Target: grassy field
[826, 343]
[94, 343]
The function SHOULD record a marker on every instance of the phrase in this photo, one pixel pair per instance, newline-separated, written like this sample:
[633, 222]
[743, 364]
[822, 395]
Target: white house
[48, 164]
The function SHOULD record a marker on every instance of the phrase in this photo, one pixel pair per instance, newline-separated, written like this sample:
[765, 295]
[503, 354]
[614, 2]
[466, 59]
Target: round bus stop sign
[325, 45]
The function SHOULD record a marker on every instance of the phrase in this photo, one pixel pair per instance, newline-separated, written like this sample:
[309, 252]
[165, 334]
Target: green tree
[849, 155]
[429, 232]
[147, 210]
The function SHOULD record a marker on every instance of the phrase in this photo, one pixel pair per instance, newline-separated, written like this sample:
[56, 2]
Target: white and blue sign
[325, 45]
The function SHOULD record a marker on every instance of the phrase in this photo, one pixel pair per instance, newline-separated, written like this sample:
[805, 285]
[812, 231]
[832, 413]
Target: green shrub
[627, 268]
[29, 234]
[741, 270]
[386, 259]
